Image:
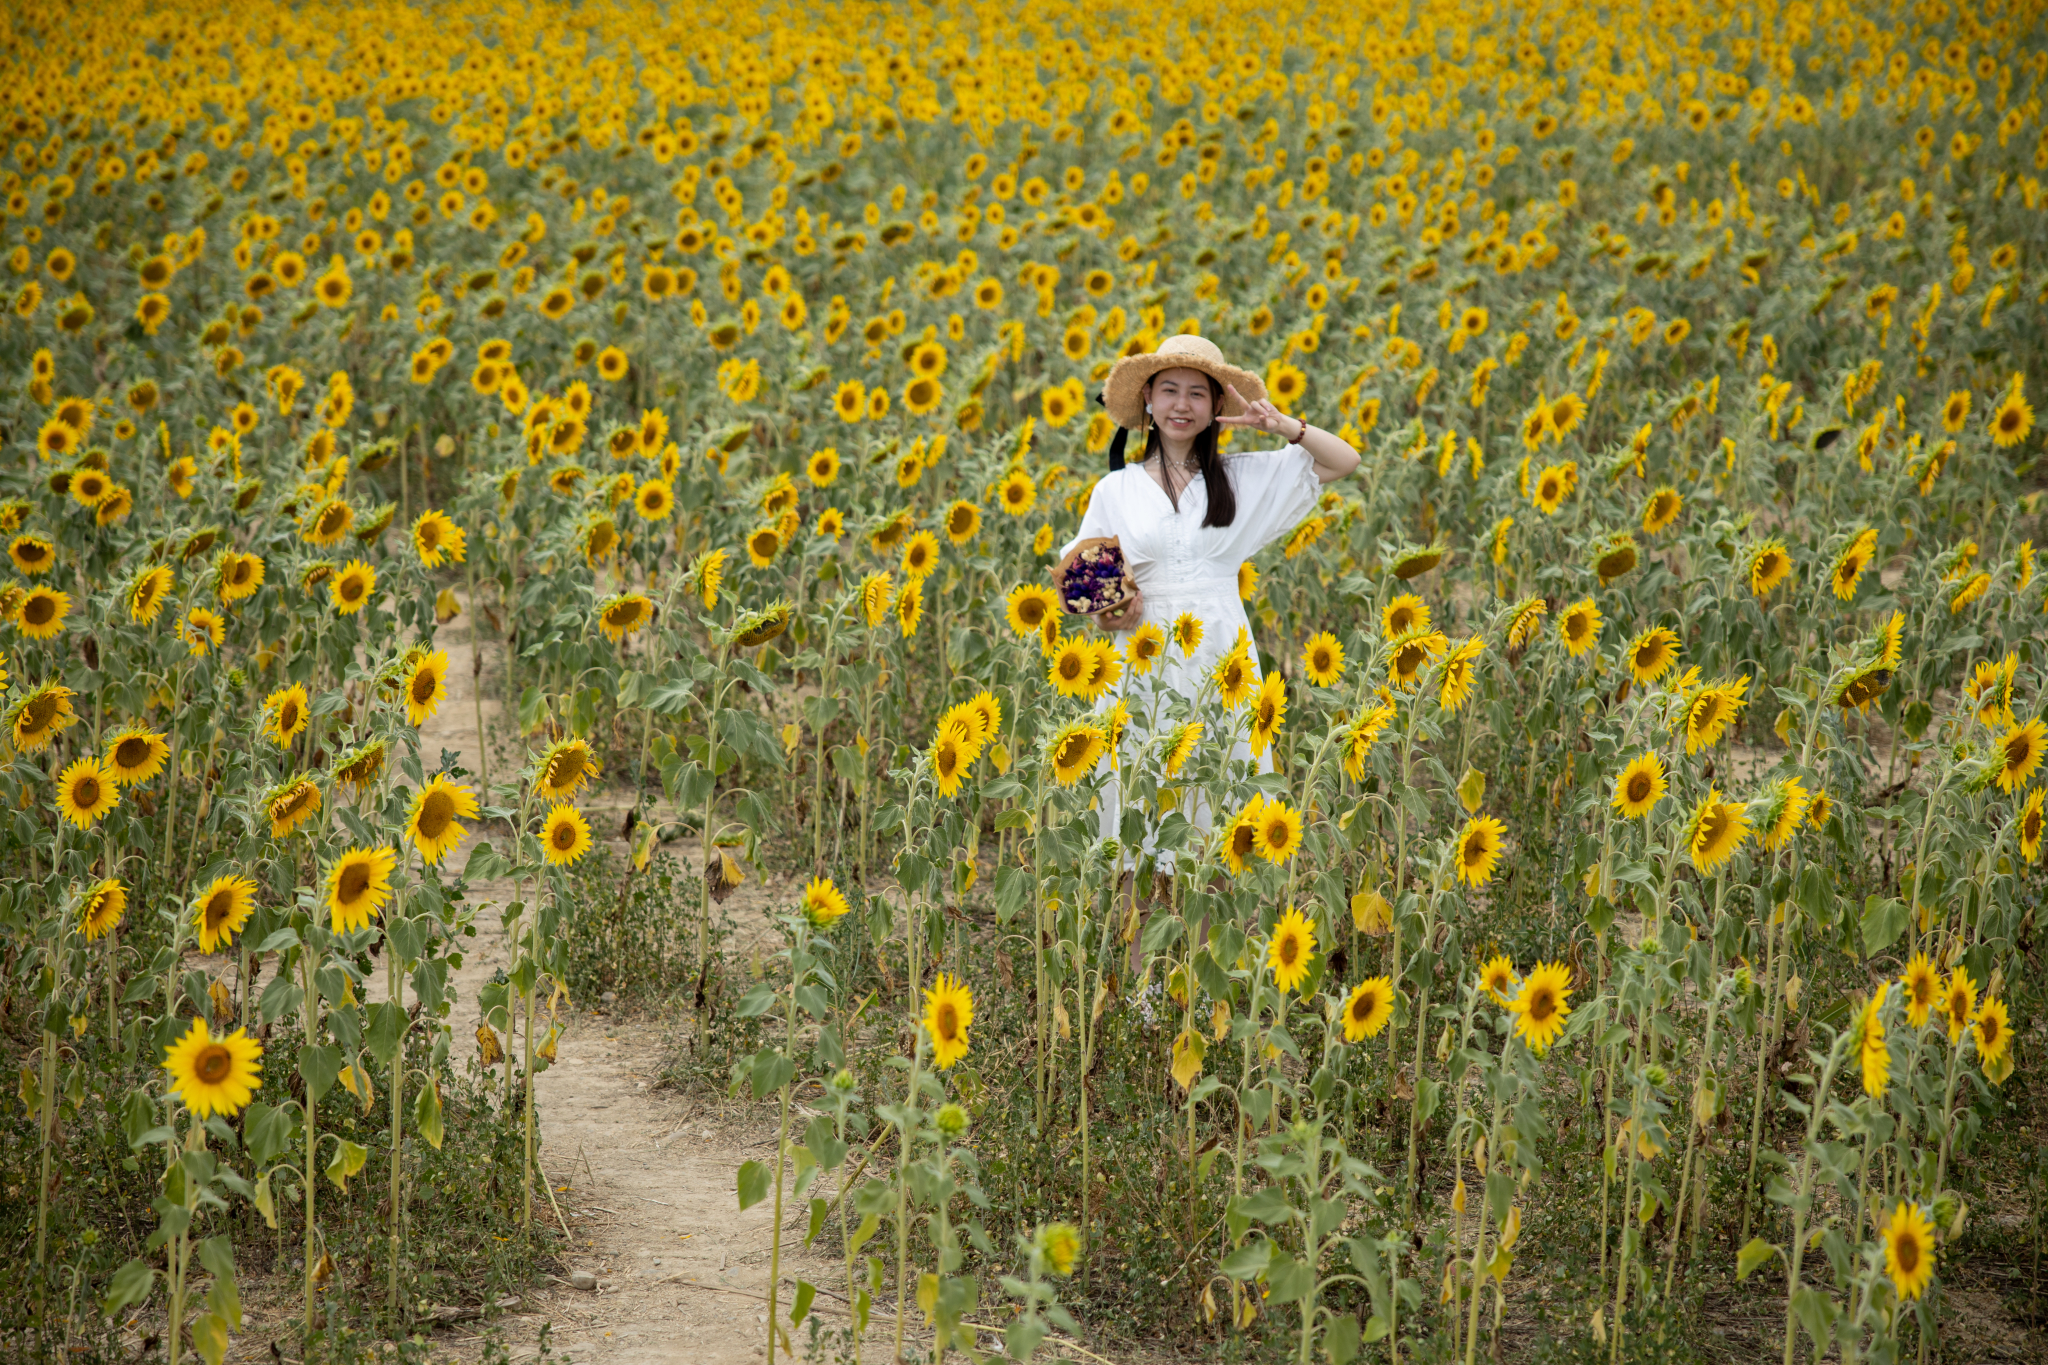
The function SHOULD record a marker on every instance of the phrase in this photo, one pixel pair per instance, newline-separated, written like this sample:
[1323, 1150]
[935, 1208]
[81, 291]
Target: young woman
[1187, 517]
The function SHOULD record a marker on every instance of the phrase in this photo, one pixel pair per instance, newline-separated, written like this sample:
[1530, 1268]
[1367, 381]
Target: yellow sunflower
[432, 822]
[39, 716]
[1957, 1003]
[1276, 832]
[1769, 565]
[948, 1014]
[1640, 786]
[2020, 754]
[353, 587]
[1922, 986]
[2030, 819]
[148, 592]
[1147, 647]
[563, 769]
[1873, 1052]
[564, 835]
[1579, 626]
[221, 910]
[100, 912]
[1711, 711]
[1455, 683]
[1269, 711]
[1661, 509]
[86, 791]
[1652, 653]
[1368, 1008]
[1187, 633]
[1322, 658]
[1404, 614]
[1909, 1251]
[824, 904]
[1478, 849]
[1717, 830]
[1074, 751]
[1181, 742]
[1541, 1007]
[358, 885]
[286, 713]
[425, 687]
[41, 612]
[214, 1075]
[1497, 978]
[1028, 607]
[1292, 950]
[136, 753]
[290, 805]
[623, 614]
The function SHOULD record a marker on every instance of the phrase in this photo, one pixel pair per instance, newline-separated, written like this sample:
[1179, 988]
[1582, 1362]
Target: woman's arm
[1333, 456]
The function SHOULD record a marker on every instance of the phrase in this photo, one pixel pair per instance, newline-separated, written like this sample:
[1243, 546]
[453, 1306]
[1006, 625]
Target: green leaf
[753, 1184]
[426, 1114]
[1249, 1260]
[1267, 1206]
[217, 1254]
[348, 1159]
[1340, 1340]
[798, 1311]
[1750, 1257]
[818, 1210]
[319, 1066]
[387, 1028]
[1884, 919]
[209, 1337]
[757, 1001]
[131, 1285]
[266, 1132]
[1289, 1280]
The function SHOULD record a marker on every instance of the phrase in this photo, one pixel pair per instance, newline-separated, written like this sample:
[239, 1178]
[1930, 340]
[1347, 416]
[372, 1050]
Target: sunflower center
[948, 1020]
[1989, 1023]
[218, 907]
[1362, 1007]
[437, 812]
[423, 684]
[1475, 852]
[1290, 950]
[288, 717]
[1907, 1250]
[1639, 788]
[1542, 1004]
[1070, 667]
[2018, 750]
[213, 1064]
[563, 837]
[131, 753]
[354, 881]
[86, 794]
[40, 610]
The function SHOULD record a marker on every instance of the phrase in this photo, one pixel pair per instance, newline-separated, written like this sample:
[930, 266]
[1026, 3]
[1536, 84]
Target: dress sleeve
[1275, 489]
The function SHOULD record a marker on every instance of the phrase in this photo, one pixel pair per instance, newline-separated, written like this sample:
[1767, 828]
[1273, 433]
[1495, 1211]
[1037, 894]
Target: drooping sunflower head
[1661, 509]
[1412, 652]
[758, 627]
[1459, 674]
[1292, 949]
[1413, 563]
[1785, 805]
[290, 805]
[623, 614]
[1074, 751]
[101, 908]
[147, 593]
[37, 717]
[359, 767]
[1614, 557]
[1180, 746]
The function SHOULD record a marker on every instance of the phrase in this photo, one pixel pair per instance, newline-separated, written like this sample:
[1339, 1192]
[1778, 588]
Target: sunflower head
[1541, 1007]
[1292, 949]
[1368, 1008]
[1497, 978]
[214, 1075]
[948, 1014]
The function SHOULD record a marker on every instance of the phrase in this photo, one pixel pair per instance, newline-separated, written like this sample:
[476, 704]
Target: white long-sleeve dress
[1183, 566]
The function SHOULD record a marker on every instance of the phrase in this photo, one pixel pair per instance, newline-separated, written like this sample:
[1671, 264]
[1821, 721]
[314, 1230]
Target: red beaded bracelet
[1304, 429]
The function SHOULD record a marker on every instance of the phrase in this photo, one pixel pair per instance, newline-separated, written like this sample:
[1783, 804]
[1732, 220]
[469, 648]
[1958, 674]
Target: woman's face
[1182, 404]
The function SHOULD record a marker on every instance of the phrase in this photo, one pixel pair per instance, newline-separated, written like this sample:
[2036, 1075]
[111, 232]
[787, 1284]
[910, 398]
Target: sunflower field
[1625, 945]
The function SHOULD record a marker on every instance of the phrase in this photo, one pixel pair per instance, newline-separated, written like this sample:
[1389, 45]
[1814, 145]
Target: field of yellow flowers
[1631, 928]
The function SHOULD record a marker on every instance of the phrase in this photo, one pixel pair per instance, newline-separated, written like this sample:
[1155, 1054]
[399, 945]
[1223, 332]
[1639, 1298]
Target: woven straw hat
[1123, 393]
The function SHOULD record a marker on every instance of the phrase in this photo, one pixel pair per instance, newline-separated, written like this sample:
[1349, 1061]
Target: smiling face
[1184, 402]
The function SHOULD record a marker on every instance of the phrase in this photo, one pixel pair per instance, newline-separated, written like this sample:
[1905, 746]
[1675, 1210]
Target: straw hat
[1123, 393]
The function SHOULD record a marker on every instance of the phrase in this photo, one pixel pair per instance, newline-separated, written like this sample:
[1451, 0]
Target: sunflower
[1541, 1007]
[1992, 1031]
[822, 469]
[1497, 978]
[147, 593]
[623, 614]
[431, 824]
[135, 754]
[564, 835]
[239, 575]
[358, 885]
[1579, 626]
[359, 767]
[1922, 985]
[221, 911]
[654, 500]
[1187, 633]
[1236, 677]
[1956, 410]
[36, 718]
[987, 714]
[1549, 490]
[878, 591]
[1405, 613]
[1872, 1051]
[32, 554]
[1909, 1251]
[2030, 827]
[1074, 751]
[1455, 686]
[329, 524]
[1640, 786]
[100, 912]
[1651, 654]
[948, 1014]
[920, 556]
[1017, 494]
[1614, 557]
[214, 1075]
[1957, 1003]
[290, 805]
[851, 401]
[286, 713]
[831, 522]
[824, 904]
[1180, 746]
[1478, 849]
[1322, 658]
[950, 756]
[41, 612]
[1029, 606]
[426, 687]
[2012, 420]
[1411, 652]
[1851, 562]
[1661, 509]
[352, 587]
[1711, 711]
[1717, 829]
[1525, 621]
[1247, 581]
[1769, 565]
[1368, 1008]
[86, 791]
[1412, 564]
[1269, 711]
[1291, 950]
[1147, 647]
[1241, 839]
[1361, 735]
[2020, 754]
[1785, 812]
[963, 521]
[1277, 831]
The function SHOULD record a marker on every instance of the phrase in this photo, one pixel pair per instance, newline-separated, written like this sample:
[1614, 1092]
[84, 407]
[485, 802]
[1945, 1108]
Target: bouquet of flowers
[1092, 578]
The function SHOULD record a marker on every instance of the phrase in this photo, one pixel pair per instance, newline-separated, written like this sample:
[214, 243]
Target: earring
[1148, 408]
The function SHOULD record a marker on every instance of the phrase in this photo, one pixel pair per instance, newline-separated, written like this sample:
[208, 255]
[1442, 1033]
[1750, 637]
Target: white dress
[1183, 566]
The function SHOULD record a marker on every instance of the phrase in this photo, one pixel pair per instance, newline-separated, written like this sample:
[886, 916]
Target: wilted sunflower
[1863, 686]
[101, 909]
[1579, 626]
[359, 767]
[358, 885]
[286, 713]
[1651, 654]
[291, 804]
[1769, 564]
[1368, 1008]
[425, 687]
[85, 792]
[1180, 745]
[432, 823]
[1478, 849]
[564, 835]
[136, 753]
[623, 614]
[1405, 613]
[948, 1014]
[214, 1075]
[759, 627]
[221, 910]
[1716, 831]
[1540, 1009]
[1292, 949]
[1640, 786]
[1074, 751]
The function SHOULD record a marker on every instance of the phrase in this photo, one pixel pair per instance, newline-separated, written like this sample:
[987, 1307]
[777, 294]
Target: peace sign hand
[1261, 414]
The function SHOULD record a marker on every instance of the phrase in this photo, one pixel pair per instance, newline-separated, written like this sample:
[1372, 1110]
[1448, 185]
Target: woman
[1187, 517]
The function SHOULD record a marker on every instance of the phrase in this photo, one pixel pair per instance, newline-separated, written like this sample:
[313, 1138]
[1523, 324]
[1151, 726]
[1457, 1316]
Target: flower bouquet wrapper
[1092, 577]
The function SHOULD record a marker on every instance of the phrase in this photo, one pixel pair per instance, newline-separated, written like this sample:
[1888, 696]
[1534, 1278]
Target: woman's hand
[1122, 617]
[1262, 415]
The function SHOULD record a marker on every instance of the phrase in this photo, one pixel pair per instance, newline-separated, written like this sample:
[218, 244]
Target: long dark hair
[1215, 474]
